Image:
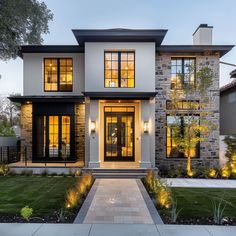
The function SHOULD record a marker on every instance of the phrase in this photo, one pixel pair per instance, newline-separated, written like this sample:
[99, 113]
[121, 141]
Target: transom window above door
[58, 73]
[119, 69]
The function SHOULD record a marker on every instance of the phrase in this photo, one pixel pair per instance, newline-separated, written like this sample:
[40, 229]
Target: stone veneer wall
[209, 149]
[26, 130]
[80, 131]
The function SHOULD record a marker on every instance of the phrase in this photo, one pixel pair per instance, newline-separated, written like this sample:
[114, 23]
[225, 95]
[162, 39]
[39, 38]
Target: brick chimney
[203, 35]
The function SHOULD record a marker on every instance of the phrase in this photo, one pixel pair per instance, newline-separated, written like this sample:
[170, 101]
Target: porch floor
[21, 164]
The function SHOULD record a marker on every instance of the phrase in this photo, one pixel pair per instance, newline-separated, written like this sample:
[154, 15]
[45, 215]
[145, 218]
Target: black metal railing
[10, 154]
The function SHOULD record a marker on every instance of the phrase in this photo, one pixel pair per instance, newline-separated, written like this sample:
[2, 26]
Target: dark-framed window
[171, 148]
[183, 105]
[183, 72]
[119, 69]
[58, 74]
[53, 132]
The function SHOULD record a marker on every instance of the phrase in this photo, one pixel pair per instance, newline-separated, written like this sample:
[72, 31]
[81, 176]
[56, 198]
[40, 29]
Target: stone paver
[118, 201]
[202, 183]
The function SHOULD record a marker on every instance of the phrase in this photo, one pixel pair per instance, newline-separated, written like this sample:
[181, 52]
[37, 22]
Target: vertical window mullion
[58, 74]
[119, 69]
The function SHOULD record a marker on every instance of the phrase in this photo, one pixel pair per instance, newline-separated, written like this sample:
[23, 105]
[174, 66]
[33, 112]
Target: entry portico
[124, 134]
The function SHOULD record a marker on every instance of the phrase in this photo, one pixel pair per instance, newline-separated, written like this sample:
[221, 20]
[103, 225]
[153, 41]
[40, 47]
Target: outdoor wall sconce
[93, 126]
[146, 127]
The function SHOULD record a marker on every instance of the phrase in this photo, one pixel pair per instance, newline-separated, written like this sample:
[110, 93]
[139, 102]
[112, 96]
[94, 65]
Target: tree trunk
[188, 164]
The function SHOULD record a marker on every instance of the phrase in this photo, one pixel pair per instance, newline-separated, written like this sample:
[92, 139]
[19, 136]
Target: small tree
[188, 132]
[230, 141]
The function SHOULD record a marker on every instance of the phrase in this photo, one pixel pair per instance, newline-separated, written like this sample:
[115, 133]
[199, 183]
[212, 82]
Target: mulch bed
[54, 218]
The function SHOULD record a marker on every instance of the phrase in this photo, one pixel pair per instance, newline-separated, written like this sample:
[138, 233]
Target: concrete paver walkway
[117, 201]
[114, 230]
[201, 183]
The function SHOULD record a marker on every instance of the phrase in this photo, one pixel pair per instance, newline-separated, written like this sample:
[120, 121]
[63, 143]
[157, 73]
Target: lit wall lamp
[146, 127]
[93, 126]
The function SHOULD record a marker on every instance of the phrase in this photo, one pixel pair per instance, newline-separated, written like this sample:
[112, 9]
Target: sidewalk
[201, 183]
[114, 230]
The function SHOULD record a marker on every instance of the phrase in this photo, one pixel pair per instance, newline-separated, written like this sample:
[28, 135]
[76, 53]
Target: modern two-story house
[103, 103]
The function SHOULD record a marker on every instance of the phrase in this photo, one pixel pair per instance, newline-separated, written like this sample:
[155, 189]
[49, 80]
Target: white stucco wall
[144, 66]
[33, 73]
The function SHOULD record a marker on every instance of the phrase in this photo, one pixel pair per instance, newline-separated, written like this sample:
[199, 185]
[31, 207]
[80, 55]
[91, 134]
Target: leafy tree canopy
[21, 22]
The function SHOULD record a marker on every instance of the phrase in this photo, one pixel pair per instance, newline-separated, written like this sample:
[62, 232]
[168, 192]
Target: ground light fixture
[146, 126]
[93, 126]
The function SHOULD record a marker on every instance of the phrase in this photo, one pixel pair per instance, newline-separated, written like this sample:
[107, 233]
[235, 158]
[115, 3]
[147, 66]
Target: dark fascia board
[50, 49]
[119, 35]
[22, 99]
[120, 95]
[228, 87]
[221, 49]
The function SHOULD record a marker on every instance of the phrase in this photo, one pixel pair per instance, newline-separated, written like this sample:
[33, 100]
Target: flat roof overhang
[205, 49]
[120, 95]
[50, 49]
[119, 35]
[22, 99]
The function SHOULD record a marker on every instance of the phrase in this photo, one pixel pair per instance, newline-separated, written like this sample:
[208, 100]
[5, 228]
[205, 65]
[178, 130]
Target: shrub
[72, 198]
[26, 212]
[87, 180]
[4, 169]
[163, 196]
[151, 182]
[27, 172]
[53, 174]
[211, 173]
[12, 173]
[218, 211]
[78, 172]
[179, 171]
[174, 213]
[225, 171]
[81, 187]
[71, 172]
[44, 173]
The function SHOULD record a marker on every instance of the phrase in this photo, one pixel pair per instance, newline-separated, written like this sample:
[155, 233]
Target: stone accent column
[80, 131]
[26, 131]
[209, 151]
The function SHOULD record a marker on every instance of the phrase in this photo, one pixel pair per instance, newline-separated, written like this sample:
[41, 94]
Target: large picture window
[58, 74]
[183, 73]
[180, 121]
[119, 69]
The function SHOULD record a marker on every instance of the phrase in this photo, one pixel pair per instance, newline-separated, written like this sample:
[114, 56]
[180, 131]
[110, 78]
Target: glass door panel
[111, 136]
[53, 139]
[127, 135]
[119, 136]
[65, 137]
[53, 136]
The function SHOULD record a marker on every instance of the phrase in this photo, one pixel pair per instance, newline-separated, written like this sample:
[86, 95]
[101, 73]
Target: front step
[118, 173]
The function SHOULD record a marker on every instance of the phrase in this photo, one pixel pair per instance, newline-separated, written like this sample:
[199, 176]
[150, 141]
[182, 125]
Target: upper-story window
[183, 73]
[119, 69]
[58, 74]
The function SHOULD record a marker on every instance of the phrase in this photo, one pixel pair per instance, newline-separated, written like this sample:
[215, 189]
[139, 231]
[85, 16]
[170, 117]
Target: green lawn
[197, 202]
[43, 194]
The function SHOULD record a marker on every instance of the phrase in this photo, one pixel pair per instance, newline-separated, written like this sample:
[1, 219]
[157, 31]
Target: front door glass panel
[119, 134]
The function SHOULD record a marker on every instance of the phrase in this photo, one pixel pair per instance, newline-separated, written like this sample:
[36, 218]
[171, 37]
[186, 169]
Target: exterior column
[92, 143]
[148, 139]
